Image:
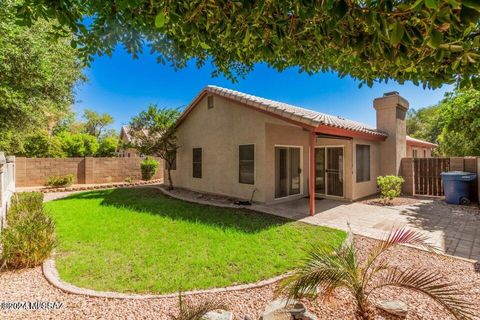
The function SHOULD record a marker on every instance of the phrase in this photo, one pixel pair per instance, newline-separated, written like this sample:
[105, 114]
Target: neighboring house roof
[420, 143]
[126, 134]
[309, 118]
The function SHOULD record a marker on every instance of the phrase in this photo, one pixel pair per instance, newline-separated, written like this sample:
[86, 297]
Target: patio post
[311, 172]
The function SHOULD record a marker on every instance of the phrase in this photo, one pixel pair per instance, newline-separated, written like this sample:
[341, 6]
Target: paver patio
[453, 229]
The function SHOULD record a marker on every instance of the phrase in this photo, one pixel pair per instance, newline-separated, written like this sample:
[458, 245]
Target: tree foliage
[78, 144]
[460, 118]
[424, 41]
[37, 76]
[454, 124]
[328, 269]
[153, 132]
[108, 146]
[424, 123]
[95, 122]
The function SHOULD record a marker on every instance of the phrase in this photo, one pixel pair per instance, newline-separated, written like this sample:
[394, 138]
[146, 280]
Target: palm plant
[190, 310]
[327, 269]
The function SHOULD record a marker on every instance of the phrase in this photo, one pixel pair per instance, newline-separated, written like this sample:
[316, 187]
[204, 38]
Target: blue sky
[123, 86]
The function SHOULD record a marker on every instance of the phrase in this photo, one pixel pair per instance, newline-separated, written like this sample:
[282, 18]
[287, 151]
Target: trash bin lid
[459, 175]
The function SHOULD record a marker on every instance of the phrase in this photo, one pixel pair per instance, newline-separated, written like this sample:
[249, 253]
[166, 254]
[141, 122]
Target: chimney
[391, 112]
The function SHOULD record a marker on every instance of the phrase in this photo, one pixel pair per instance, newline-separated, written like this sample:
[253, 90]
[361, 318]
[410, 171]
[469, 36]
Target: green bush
[149, 167]
[30, 234]
[61, 181]
[24, 202]
[390, 187]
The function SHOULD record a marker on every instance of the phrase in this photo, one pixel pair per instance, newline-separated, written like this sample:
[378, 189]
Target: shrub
[148, 167]
[390, 186]
[61, 181]
[326, 270]
[128, 179]
[30, 236]
[24, 202]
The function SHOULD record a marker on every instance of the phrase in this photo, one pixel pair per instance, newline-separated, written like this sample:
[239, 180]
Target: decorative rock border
[101, 186]
[204, 202]
[51, 274]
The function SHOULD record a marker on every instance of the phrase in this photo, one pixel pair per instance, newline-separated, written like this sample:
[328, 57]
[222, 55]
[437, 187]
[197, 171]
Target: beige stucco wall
[219, 132]
[391, 112]
[420, 152]
[366, 188]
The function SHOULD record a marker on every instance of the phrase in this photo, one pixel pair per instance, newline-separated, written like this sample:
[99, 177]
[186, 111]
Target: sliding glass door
[329, 171]
[288, 169]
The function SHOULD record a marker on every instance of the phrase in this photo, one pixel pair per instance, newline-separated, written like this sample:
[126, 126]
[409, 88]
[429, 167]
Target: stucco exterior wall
[219, 131]
[421, 152]
[366, 188]
[282, 134]
[391, 112]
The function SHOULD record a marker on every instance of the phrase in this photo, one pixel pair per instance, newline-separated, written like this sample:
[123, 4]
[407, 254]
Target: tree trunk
[170, 182]
[364, 311]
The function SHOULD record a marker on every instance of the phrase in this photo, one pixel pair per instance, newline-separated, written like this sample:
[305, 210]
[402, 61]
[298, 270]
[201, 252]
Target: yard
[138, 240]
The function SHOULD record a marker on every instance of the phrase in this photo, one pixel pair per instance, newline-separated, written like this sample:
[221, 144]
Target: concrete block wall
[406, 168]
[32, 172]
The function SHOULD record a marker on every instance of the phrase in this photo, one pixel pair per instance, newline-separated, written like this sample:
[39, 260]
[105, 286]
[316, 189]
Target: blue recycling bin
[457, 186]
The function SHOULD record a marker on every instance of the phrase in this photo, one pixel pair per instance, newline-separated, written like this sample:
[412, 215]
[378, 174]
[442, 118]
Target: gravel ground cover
[399, 201]
[30, 285]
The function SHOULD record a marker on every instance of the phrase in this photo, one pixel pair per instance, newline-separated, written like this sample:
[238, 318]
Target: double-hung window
[197, 162]
[363, 162]
[246, 164]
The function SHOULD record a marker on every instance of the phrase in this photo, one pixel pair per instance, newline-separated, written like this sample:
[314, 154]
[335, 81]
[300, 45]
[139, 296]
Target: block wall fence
[31, 172]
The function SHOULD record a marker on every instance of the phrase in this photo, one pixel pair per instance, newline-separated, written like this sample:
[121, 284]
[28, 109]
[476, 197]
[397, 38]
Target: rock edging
[51, 274]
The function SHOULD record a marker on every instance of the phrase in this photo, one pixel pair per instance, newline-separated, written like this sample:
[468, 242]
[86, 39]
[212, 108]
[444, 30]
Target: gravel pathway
[30, 285]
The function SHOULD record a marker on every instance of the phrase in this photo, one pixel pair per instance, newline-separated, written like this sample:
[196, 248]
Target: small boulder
[396, 307]
[300, 312]
[277, 310]
[218, 315]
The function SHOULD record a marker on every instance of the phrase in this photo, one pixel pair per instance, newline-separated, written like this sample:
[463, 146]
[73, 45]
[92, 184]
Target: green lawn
[137, 240]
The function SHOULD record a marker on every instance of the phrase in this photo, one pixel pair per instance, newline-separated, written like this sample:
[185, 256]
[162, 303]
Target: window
[174, 162]
[424, 153]
[363, 162]
[415, 153]
[210, 102]
[246, 164]
[197, 162]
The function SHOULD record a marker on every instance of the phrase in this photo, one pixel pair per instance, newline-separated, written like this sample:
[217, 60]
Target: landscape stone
[277, 310]
[218, 315]
[396, 307]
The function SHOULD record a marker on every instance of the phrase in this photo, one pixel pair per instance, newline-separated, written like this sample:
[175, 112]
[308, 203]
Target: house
[236, 144]
[125, 149]
[417, 148]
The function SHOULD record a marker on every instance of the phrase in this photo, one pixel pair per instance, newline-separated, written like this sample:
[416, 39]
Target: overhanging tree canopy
[431, 42]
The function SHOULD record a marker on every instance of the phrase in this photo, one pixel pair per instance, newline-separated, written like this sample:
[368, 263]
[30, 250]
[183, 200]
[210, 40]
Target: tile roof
[413, 141]
[126, 132]
[309, 117]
